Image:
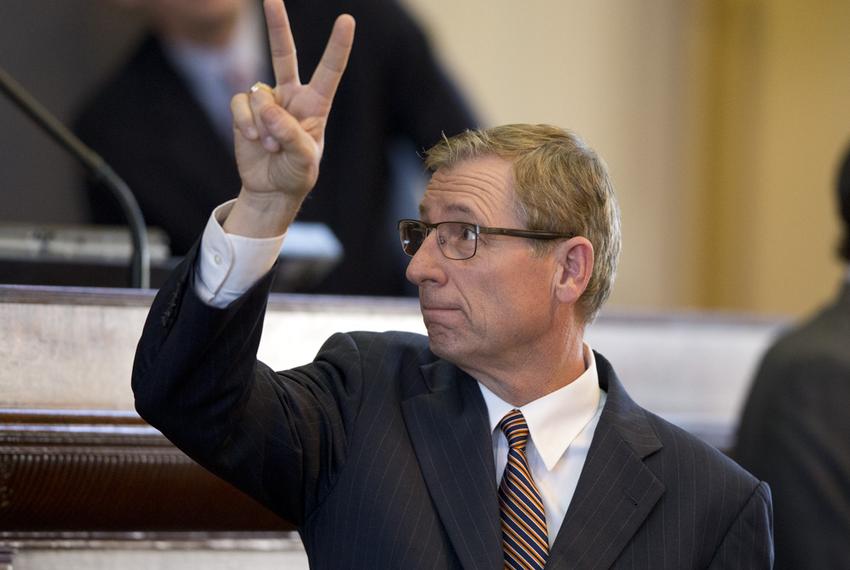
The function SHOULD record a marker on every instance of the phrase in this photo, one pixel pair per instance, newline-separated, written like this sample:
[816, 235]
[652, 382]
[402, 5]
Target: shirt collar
[556, 419]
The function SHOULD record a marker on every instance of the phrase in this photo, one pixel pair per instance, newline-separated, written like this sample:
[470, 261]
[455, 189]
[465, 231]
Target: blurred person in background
[795, 429]
[163, 122]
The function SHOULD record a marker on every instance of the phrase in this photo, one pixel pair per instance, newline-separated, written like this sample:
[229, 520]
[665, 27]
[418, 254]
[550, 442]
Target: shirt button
[217, 259]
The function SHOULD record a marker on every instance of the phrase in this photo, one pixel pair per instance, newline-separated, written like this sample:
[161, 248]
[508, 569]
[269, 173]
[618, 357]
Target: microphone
[97, 168]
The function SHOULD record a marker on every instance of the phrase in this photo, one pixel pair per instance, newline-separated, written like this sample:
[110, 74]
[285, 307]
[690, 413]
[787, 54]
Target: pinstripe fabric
[525, 539]
[381, 453]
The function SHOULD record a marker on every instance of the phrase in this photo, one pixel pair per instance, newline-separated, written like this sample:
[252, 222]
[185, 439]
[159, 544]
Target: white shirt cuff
[228, 264]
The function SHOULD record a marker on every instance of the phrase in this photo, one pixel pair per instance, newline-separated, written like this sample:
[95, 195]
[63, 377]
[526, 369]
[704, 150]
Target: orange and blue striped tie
[524, 536]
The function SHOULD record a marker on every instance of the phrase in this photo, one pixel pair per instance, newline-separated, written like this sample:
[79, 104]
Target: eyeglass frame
[510, 232]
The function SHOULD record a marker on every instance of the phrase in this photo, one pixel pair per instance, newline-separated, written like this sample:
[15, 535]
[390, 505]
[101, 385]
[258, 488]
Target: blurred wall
[57, 50]
[777, 123]
[613, 72]
[721, 121]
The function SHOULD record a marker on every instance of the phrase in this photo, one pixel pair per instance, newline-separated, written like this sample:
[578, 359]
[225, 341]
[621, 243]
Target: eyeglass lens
[457, 240]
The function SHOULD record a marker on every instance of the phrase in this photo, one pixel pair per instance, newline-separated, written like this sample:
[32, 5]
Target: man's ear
[575, 267]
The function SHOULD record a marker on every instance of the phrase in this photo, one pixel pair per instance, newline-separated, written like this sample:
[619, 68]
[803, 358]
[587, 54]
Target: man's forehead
[429, 204]
[471, 188]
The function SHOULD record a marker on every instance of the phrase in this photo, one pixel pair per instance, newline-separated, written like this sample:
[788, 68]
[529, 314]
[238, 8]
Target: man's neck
[522, 380]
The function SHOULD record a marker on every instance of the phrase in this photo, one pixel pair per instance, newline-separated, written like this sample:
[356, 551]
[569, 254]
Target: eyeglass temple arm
[532, 234]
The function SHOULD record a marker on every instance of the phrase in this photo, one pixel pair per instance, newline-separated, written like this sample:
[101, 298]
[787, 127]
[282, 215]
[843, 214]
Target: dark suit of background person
[795, 429]
[146, 123]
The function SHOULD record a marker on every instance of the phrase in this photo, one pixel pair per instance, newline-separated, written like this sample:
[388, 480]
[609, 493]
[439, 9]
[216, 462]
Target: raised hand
[279, 132]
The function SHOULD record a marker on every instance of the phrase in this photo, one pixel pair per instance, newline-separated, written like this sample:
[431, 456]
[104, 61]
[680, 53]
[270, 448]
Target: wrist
[261, 215]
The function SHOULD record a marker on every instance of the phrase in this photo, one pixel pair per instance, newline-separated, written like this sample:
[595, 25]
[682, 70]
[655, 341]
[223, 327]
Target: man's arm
[280, 437]
[279, 132]
[279, 139]
[195, 375]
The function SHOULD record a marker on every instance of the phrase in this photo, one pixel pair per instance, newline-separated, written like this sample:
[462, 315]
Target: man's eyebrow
[451, 208]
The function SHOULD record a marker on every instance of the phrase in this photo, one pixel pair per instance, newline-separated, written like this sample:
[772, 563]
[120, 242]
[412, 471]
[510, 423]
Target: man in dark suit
[795, 428]
[501, 439]
[163, 123]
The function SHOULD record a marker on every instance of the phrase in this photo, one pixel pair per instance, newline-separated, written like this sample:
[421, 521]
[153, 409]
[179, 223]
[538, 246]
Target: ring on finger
[260, 85]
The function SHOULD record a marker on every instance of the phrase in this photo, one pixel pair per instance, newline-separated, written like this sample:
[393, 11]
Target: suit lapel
[448, 425]
[616, 491]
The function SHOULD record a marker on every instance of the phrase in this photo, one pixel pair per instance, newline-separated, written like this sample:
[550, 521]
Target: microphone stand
[97, 167]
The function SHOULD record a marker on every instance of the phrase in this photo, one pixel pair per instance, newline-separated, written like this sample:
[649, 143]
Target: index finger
[281, 44]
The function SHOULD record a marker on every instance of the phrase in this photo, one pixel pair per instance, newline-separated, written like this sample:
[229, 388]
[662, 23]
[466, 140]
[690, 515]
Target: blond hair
[561, 185]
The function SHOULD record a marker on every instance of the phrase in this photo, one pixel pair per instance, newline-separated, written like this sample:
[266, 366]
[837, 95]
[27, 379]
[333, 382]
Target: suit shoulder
[813, 353]
[691, 455]
[384, 362]
[406, 344]
[824, 334]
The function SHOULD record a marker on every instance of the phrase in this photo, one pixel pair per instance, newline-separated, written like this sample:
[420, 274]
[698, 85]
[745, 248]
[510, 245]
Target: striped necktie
[524, 536]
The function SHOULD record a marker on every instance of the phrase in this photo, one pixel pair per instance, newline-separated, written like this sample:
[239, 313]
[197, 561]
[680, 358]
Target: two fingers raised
[275, 117]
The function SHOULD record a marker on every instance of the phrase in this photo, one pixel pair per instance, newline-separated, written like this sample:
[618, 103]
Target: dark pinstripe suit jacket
[380, 452]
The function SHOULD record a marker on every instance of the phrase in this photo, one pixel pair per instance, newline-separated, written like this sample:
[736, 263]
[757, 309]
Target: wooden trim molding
[95, 470]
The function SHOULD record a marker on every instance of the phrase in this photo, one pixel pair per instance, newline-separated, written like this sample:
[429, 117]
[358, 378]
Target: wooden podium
[80, 471]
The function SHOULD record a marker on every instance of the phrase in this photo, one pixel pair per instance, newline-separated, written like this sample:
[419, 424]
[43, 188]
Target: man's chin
[443, 343]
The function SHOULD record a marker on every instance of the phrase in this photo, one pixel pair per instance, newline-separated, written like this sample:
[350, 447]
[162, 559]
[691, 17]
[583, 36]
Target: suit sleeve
[280, 437]
[748, 544]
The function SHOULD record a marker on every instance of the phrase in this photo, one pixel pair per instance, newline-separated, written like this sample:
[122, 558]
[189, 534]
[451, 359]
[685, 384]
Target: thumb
[315, 127]
[282, 126]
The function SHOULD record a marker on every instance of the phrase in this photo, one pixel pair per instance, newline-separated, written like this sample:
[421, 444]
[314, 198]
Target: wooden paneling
[73, 470]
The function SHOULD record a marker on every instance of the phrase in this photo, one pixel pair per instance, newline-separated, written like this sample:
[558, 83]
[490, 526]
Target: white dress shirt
[229, 264]
[560, 424]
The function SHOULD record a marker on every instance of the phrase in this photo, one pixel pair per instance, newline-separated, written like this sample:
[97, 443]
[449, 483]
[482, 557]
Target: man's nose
[426, 265]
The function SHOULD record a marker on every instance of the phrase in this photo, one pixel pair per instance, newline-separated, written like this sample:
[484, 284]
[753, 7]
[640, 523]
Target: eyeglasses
[459, 240]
